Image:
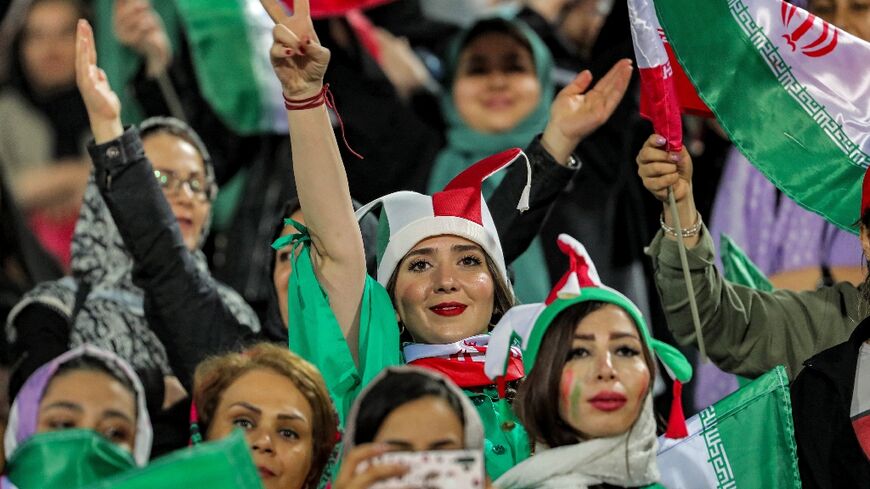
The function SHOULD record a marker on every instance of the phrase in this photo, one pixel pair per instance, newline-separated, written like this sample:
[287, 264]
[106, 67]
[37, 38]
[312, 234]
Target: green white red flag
[790, 90]
[744, 440]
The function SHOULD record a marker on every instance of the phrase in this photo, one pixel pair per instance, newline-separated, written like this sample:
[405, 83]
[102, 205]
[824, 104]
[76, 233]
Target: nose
[604, 367]
[183, 194]
[261, 441]
[497, 79]
[445, 282]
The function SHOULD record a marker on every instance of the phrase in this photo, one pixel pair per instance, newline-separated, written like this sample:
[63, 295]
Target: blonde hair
[214, 375]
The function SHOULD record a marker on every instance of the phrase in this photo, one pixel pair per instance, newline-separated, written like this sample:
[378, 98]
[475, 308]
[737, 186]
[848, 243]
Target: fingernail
[675, 157]
[660, 140]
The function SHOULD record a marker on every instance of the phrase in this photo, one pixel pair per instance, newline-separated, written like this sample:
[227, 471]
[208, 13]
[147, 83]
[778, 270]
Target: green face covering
[66, 459]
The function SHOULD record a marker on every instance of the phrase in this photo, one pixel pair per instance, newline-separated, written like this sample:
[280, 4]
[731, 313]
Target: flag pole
[690, 287]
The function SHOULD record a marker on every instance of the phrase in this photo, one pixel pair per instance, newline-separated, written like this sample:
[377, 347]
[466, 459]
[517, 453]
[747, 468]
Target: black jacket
[829, 455]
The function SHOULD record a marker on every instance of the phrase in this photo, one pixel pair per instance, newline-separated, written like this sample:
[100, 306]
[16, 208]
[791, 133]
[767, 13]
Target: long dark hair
[537, 401]
[391, 392]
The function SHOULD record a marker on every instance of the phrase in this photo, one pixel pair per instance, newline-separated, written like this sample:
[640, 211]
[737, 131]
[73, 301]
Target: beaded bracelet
[685, 232]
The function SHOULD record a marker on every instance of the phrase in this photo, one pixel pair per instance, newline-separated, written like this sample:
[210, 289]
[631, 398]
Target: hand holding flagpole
[659, 104]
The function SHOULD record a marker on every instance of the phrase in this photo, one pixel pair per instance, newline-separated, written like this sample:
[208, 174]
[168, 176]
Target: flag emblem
[822, 45]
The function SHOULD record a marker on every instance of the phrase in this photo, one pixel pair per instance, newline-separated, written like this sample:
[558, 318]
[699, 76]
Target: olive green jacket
[746, 331]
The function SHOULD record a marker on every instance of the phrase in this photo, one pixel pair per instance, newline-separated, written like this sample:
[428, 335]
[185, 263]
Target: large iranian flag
[746, 440]
[791, 91]
[222, 464]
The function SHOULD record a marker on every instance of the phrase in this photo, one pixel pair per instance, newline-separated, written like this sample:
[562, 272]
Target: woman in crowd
[44, 126]
[499, 97]
[138, 274]
[816, 334]
[280, 403]
[441, 262]
[94, 394]
[386, 417]
[586, 400]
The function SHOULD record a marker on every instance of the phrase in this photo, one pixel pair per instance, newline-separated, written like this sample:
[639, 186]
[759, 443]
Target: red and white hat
[525, 326]
[459, 210]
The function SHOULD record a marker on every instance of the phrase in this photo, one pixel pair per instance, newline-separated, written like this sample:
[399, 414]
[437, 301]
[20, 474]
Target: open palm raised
[297, 56]
[102, 104]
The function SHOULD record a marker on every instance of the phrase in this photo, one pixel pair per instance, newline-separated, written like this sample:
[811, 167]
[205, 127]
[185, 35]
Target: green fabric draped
[67, 459]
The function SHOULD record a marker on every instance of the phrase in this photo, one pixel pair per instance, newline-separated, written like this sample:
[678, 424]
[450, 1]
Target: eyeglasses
[199, 186]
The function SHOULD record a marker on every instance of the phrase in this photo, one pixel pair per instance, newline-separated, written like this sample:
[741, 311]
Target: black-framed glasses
[198, 185]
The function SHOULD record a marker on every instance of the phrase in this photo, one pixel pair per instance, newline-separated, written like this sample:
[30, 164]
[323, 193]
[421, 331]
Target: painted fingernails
[674, 157]
[660, 140]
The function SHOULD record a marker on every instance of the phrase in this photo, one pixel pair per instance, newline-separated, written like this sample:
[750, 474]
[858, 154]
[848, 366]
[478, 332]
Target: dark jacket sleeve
[41, 335]
[517, 230]
[191, 319]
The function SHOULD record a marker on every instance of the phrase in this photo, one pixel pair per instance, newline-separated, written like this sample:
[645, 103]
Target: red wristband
[323, 97]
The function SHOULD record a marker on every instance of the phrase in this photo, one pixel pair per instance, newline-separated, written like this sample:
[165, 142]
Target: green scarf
[466, 146]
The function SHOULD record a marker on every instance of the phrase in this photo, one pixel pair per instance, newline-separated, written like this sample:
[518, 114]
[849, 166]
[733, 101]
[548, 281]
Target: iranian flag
[222, 464]
[744, 440]
[790, 90]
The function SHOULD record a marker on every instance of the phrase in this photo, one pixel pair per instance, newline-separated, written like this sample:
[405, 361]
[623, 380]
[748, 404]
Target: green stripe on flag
[744, 440]
[223, 54]
[762, 118]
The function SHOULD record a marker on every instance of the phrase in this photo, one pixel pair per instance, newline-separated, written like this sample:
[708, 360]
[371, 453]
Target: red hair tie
[323, 97]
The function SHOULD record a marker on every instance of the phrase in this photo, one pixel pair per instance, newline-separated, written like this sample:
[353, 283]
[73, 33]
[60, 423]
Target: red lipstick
[608, 401]
[448, 309]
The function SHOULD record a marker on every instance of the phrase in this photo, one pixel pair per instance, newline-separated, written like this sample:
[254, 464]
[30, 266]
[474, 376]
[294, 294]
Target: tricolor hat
[527, 324]
[459, 210]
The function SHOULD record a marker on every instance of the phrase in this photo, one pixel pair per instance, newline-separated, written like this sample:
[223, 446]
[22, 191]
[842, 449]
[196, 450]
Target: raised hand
[576, 113]
[140, 28]
[297, 57]
[102, 104]
[660, 169]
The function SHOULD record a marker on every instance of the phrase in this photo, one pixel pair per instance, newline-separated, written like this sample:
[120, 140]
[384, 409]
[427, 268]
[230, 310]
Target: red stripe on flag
[690, 102]
[659, 104]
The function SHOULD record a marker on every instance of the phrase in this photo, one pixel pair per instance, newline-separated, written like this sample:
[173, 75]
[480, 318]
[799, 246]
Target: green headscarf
[466, 146]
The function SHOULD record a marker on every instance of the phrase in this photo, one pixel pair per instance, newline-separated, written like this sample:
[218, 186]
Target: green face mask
[66, 459]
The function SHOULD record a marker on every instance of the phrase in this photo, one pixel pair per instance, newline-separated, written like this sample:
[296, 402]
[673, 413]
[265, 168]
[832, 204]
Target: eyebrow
[64, 405]
[114, 413]
[281, 416]
[613, 336]
[457, 248]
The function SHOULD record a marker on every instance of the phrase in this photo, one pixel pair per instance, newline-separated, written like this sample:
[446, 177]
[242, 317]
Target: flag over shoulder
[790, 90]
[744, 440]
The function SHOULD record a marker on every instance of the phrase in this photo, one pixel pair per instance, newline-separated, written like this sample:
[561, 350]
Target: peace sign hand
[297, 57]
[102, 104]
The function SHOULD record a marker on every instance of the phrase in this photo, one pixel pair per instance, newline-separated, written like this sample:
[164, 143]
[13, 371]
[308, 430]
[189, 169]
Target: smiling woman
[280, 403]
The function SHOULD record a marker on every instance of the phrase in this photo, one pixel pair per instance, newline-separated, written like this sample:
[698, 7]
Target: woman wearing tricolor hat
[586, 401]
[441, 272]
